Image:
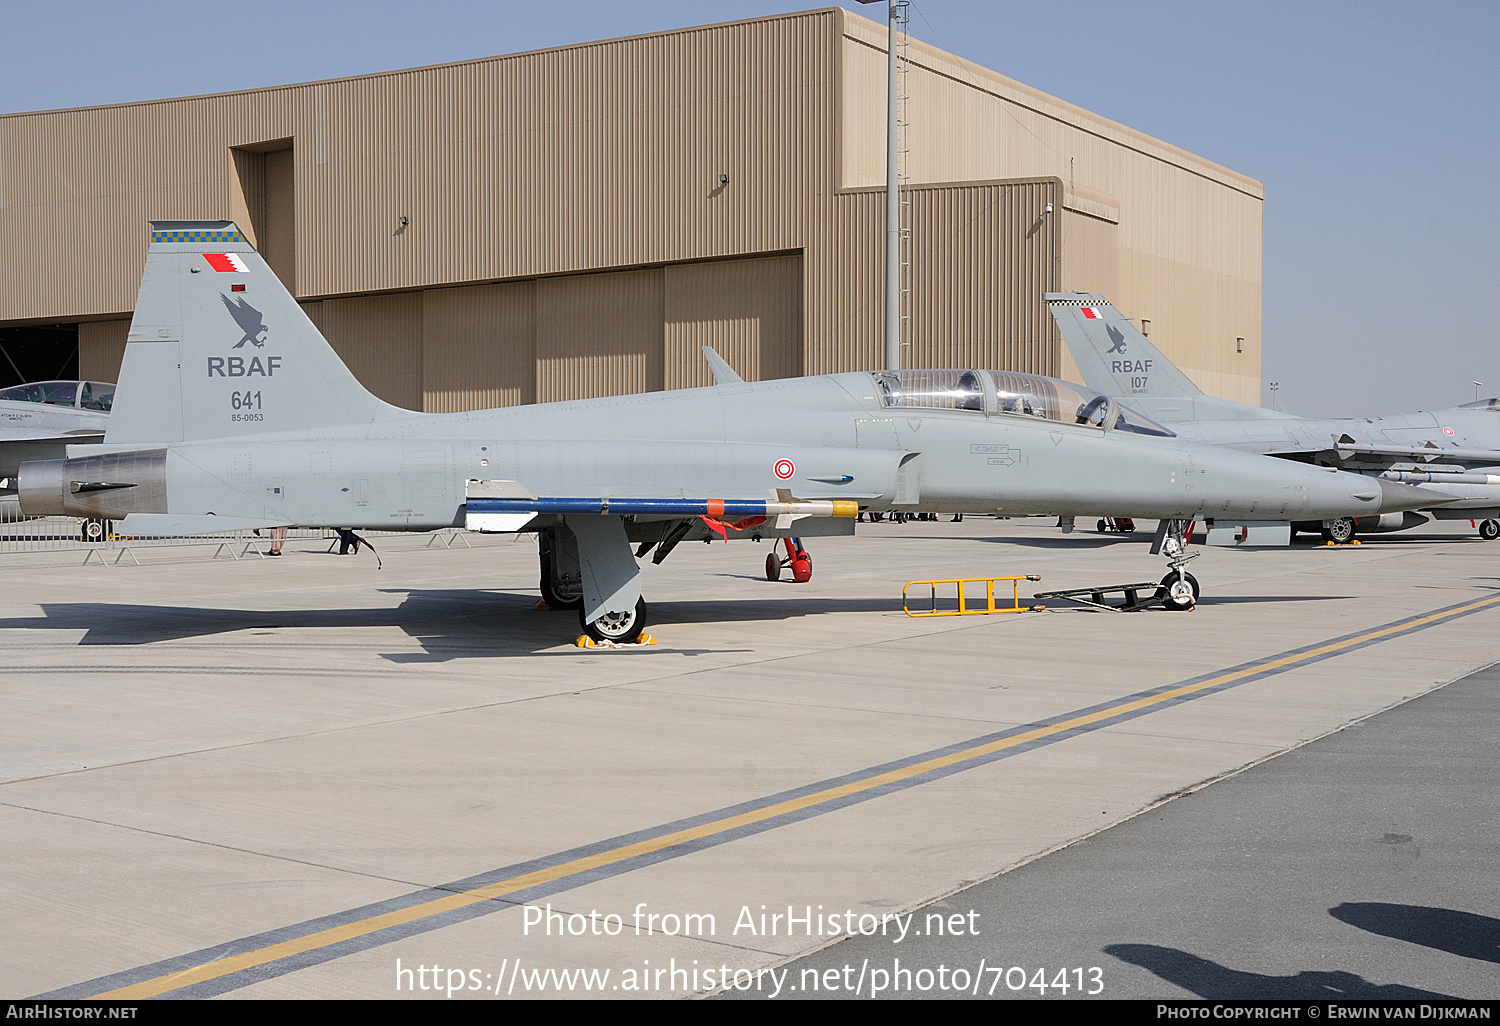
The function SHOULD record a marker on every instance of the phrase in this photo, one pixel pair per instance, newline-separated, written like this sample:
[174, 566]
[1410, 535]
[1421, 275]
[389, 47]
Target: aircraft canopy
[1009, 392]
[87, 395]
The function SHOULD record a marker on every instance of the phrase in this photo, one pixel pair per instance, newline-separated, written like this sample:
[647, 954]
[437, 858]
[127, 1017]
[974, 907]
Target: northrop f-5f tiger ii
[1454, 453]
[233, 412]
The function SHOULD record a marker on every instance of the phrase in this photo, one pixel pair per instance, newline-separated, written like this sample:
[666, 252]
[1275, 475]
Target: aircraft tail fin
[218, 348]
[1111, 353]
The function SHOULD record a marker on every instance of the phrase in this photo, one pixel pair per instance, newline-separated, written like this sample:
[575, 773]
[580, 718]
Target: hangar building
[578, 221]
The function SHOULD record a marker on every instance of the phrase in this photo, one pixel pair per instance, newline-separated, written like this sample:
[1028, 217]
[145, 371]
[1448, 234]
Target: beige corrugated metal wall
[1188, 248]
[750, 311]
[247, 194]
[595, 156]
[101, 347]
[608, 157]
[981, 255]
[1090, 264]
[479, 347]
[380, 339]
[280, 245]
[598, 334]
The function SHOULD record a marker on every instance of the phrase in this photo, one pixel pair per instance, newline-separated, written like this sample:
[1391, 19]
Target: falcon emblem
[249, 320]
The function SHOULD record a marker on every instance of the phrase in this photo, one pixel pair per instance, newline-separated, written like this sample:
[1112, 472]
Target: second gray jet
[1454, 453]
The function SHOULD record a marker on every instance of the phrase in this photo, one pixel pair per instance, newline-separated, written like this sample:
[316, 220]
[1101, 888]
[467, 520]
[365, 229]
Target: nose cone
[1342, 494]
[1267, 488]
[1396, 498]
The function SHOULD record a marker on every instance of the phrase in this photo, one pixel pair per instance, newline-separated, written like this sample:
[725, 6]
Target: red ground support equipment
[797, 558]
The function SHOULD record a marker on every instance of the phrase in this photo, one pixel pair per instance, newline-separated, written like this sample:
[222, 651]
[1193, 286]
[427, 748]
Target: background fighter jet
[1455, 453]
[37, 421]
[204, 438]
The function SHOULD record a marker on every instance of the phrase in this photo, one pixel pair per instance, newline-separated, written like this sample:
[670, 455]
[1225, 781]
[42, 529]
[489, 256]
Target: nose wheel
[1178, 591]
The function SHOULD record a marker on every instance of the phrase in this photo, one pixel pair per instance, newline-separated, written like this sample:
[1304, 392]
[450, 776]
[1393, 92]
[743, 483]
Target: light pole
[892, 203]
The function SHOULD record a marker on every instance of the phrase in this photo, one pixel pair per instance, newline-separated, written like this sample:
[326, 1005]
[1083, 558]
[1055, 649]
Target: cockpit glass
[931, 389]
[54, 393]
[1483, 404]
[1017, 394]
[1032, 395]
[1130, 420]
[96, 395]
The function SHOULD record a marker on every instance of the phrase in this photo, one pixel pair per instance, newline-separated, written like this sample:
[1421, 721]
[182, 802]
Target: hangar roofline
[854, 27]
[423, 67]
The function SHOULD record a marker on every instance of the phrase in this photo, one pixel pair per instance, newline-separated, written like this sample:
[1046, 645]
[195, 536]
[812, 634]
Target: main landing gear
[1489, 530]
[1340, 531]
[1179, 589]
[562, 581]
[621, 628]
[612, 589]
[797, 557]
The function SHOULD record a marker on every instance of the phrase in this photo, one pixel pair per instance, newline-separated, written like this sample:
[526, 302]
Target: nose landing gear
[1179, 589]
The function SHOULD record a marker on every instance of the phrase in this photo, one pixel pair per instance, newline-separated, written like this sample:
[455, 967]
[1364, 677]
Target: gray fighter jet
[39, 420]
[207, 435]
[1455, 453]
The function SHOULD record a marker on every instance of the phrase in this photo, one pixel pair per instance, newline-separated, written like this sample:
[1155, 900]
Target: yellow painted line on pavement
[270, 953]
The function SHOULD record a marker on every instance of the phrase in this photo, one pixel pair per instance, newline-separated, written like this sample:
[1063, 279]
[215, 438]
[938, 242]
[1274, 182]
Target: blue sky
[1373, 126]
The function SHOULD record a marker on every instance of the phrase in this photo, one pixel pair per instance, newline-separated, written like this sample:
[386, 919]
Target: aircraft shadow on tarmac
[1063, 541]
[1446, 929]
[450, 624]
[1080, 540]
[1210, 980]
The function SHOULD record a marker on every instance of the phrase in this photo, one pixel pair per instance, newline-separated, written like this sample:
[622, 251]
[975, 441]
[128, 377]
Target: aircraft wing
[77, 436]
[1343, 449]
[503, 506]
[21, 444]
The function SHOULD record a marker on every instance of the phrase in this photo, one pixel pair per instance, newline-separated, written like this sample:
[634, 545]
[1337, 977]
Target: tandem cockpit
[1010, 393]
[97, 396]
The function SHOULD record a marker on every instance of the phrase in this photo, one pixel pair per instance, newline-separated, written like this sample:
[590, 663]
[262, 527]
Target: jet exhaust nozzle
[107, 487]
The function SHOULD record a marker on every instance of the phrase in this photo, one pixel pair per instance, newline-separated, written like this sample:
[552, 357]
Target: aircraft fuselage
[819, 438]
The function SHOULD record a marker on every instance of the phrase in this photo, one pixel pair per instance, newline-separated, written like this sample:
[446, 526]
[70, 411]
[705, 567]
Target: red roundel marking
[1447, 431]
[785, 469]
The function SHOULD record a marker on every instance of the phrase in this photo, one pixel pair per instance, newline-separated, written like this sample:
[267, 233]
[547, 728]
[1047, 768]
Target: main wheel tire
[1101, 527]
[1489, 530]
[94, 531]
[773, 566]
[1177, 594]
[621, 628]
[1341, 531]
[568, 599]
